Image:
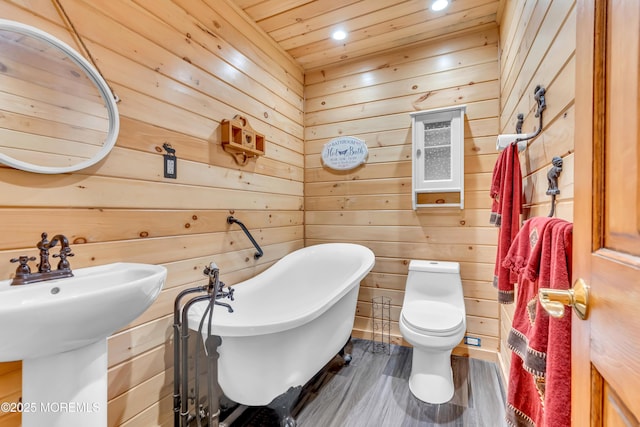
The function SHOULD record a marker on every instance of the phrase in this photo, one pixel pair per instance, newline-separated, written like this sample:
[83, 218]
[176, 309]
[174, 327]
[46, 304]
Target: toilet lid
[432, 316]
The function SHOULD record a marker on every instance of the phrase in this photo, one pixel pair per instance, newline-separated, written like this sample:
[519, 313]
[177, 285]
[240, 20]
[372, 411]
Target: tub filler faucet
[216, 287]
[23, 272]
[182, 392]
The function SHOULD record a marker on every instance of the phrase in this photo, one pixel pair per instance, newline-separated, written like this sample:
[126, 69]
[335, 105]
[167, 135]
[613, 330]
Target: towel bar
[539, 94]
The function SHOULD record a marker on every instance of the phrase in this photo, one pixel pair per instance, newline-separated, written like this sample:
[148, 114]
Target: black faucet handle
[23, 268]
[23, 259]
[64, 253]
[221, 293]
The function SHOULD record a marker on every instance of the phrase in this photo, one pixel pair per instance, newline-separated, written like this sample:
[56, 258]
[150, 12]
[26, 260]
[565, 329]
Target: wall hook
[539, 94]
[552, 179]
[519, 123]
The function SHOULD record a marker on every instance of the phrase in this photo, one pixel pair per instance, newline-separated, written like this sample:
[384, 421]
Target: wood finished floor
[373, 391]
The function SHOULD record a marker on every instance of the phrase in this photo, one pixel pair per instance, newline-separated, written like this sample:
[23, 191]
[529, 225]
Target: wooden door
[606, 346]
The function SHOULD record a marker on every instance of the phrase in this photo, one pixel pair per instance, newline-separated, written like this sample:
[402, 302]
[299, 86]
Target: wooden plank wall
[537, 47]
[371, 99]
[180, 67]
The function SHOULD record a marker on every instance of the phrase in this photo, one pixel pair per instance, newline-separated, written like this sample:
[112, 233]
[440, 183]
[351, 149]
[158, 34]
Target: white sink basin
[55, 316]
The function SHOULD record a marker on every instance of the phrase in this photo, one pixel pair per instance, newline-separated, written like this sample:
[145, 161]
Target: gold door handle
[554, 300]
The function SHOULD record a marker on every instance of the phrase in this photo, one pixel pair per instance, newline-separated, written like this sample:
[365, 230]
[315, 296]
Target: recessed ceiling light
[438, 5]
[339, 35]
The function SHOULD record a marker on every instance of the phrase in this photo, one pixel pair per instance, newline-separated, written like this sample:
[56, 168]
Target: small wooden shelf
[240, 140]
[444, 199]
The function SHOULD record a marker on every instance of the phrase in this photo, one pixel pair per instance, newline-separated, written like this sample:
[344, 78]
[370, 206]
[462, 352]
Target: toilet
[433, 321]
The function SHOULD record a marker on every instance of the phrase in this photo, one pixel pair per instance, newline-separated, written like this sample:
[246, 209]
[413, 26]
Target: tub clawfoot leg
[343, 353]
[283, 404]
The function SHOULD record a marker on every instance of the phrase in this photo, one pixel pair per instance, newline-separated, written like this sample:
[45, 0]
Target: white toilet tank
[434, 281]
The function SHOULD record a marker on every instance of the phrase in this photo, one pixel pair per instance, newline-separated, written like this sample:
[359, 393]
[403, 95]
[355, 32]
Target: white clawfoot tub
[287, 322]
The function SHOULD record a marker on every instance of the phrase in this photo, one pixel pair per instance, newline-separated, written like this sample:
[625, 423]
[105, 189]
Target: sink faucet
[65, 251]
[23, 272]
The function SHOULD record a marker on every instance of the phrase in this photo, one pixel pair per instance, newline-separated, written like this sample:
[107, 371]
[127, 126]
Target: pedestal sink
[59, 328]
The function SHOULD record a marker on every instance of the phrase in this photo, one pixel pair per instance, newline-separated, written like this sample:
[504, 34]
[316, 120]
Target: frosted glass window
[437, 133]
[437, 150]
[437, 163]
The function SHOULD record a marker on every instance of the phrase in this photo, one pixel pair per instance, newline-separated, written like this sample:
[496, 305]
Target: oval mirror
[57, 114]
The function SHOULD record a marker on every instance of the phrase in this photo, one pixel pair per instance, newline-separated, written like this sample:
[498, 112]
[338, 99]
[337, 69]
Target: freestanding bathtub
[287, 322]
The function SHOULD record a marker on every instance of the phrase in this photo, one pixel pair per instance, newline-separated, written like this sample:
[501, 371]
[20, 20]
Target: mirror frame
[94, 76]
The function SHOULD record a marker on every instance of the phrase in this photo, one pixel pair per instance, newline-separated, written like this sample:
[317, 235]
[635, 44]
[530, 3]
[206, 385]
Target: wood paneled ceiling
[303, 27]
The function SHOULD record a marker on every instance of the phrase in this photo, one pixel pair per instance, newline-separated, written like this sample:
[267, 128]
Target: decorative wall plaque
[344, 153]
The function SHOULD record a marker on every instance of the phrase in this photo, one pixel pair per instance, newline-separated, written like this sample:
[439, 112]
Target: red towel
[540, 374]
[506, 191]
[557, 399]
[496, 185]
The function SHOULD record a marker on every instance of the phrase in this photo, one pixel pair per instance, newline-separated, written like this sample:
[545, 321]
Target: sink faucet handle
[64, 253]
[23, 267]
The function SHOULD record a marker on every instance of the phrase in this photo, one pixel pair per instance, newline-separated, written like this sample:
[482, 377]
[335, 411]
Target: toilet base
[431, 378]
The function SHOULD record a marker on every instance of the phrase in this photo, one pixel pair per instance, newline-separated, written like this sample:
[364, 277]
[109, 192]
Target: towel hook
[552, 180]
[519, 123]
[539, 94]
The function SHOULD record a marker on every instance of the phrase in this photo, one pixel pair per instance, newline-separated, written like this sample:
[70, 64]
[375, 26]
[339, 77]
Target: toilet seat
[432, 317]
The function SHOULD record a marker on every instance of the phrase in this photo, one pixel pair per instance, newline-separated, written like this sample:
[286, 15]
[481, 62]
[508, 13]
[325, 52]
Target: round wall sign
[344, 153]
